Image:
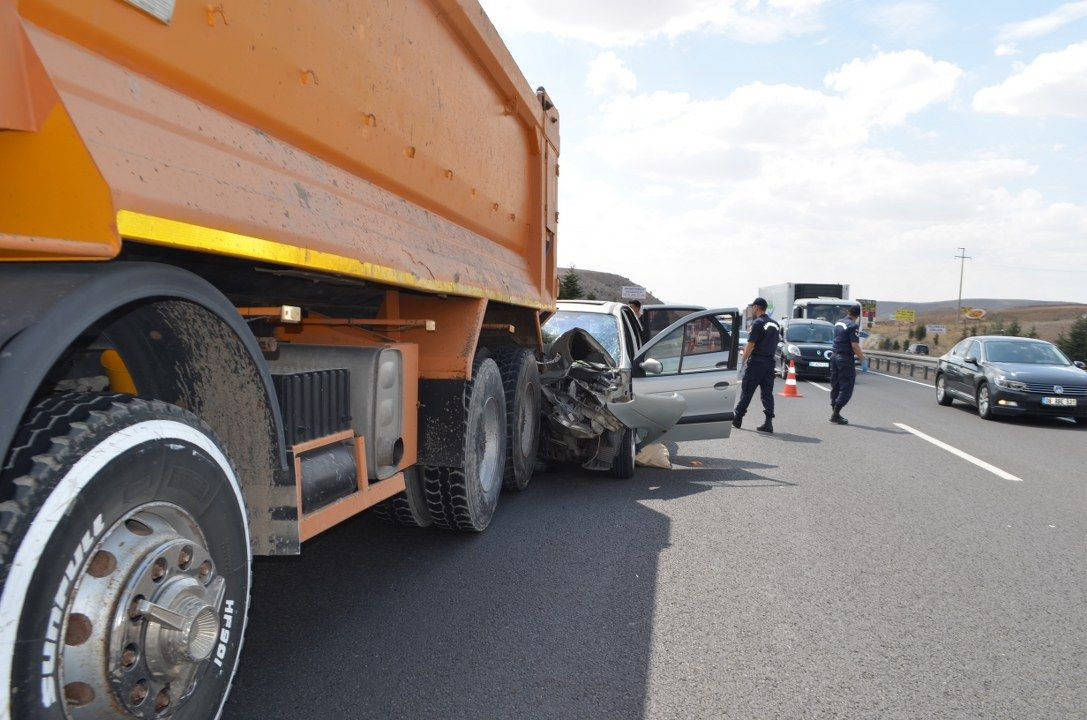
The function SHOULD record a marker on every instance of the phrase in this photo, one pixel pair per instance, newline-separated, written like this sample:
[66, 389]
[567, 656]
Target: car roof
[1009, 337]
[667, 306]
[603, 307]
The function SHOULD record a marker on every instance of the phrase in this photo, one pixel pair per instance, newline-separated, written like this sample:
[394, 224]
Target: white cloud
[791, 170]
[911, 20]
[608, 75]
[1044, 24]
[891, 86]
[610, 23]
[1004, 49]
[1053, 84]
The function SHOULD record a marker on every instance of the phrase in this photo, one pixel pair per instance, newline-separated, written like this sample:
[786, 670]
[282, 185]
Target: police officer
[762, 342]
[847, 346]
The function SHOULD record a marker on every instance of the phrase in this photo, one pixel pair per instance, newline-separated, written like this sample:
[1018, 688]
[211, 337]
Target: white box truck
[820, 301]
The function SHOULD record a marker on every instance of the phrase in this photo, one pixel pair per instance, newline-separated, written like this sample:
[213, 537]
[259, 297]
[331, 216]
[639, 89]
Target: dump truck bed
[390, 141]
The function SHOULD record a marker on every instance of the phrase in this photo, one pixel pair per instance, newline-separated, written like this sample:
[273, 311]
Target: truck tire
[622, 467]
[110, 501]
[521, 381]
[408, 508]
[464, 498]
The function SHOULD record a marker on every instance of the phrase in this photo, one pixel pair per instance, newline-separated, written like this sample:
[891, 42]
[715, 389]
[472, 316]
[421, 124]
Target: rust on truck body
[394, 142]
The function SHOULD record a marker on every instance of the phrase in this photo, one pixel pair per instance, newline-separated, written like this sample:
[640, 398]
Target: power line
[962, 257]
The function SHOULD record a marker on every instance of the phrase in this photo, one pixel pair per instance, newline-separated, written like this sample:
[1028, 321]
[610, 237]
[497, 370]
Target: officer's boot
[737, 421]
[768, 426]
[837, 418]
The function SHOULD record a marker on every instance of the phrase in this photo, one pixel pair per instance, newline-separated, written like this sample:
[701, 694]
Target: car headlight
[1010, 384]
[793, 350]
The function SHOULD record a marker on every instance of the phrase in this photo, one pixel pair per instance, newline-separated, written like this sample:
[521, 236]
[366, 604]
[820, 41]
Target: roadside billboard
[633, 292]
[974, 313]
[906, 316]
[936, 329]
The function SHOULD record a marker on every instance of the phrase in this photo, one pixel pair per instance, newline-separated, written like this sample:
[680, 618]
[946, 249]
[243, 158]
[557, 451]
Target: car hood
[1057, 374]
[587, 396]
[578, 379]
[812, 349]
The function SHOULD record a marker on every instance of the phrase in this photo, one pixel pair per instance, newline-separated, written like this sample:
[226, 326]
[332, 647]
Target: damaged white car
[606, 394]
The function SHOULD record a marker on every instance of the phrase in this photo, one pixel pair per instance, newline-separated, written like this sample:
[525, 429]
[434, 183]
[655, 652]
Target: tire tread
[510, 360]
[54, 429]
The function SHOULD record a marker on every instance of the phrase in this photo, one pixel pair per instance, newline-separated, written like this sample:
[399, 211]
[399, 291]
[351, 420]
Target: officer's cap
[759, 302]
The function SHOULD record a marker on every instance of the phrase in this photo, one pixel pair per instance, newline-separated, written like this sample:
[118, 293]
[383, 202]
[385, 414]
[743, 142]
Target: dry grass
[1049, 321]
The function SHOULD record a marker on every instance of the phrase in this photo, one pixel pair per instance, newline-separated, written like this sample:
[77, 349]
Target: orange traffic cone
[790, 382]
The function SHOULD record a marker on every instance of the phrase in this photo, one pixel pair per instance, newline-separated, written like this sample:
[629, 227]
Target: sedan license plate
[1061, 402]
[818, 364]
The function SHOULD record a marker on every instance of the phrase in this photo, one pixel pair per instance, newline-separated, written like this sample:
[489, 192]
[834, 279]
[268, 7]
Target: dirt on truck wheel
[125, 561]
[465, 498]
[521, 380]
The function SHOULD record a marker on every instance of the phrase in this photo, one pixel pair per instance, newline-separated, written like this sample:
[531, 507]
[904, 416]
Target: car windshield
[602, 327]
[1027, 353]
[830, 313]
[809, 334]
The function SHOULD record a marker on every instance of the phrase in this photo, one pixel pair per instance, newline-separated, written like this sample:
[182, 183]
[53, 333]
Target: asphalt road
[826, 571]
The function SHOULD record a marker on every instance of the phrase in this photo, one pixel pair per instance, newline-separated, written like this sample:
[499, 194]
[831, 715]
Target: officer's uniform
[843, 374]
[765, 333]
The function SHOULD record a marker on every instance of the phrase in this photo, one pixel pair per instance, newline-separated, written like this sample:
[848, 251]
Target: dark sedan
[1012, 376]
[808, 343]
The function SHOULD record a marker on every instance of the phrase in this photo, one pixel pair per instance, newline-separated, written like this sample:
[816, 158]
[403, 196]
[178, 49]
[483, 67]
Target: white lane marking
[895, 377]
[965, 456]
[815, 384]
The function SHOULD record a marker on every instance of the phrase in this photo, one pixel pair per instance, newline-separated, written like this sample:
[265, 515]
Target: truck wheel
[406, 509]
[521, 381]
[465, 498]
[124, 555]
[622, 467]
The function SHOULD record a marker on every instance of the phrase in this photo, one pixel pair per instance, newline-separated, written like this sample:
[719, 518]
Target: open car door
[693, 358]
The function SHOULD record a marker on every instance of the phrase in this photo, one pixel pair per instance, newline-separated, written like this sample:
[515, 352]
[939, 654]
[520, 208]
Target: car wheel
[985, 402]
[942, 395]
[126, 554]
[622, 467]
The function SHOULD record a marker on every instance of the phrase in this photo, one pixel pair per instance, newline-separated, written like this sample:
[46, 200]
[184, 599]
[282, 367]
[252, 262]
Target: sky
[710, 147]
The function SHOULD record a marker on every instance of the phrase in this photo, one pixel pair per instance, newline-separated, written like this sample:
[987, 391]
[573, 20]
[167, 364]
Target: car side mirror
[652, 367]
[1080, 364]
[970, 359]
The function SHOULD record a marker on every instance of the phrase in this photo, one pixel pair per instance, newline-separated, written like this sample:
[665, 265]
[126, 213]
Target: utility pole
[962, 257]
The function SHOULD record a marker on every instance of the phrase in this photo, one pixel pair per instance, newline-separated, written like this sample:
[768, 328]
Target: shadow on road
[789, 437]
[549, 614]
[1038, 421]
[869, 428]
[720, 472]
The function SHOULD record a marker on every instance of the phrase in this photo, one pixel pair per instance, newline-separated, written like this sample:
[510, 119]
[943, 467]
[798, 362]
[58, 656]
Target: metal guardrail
[914, 365]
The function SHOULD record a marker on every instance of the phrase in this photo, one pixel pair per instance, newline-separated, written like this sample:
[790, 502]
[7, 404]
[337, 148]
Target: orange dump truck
[264, 264]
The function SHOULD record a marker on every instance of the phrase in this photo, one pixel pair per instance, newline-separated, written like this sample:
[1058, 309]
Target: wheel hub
[487, 442]
[143, 621]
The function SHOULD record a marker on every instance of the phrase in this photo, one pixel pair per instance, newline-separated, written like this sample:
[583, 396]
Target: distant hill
[886, 308]
[606, 286]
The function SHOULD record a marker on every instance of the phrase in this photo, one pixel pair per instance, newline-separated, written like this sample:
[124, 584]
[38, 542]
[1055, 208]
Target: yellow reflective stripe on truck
[163, 231]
